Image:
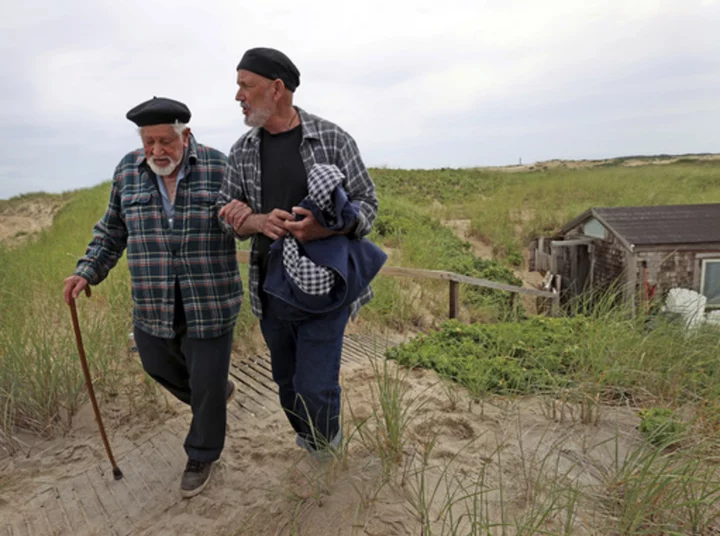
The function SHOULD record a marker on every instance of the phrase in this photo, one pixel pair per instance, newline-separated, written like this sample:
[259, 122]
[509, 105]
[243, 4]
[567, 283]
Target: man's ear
[279, 87]
[186, 137]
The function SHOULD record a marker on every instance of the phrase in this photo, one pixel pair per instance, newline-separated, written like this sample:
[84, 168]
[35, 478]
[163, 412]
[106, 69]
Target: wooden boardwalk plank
[247, 393]
[51, 505]
[375, 344]
[123, 497]
[248, 405]
[36, 520]
[18, 526]
[260, 363]
[172, 436]
[173, 439]
[261, 373]
[237, 413]
[162, 460]
[116, 517]
[88, 507]
[170, 458]
[251, 389]
[70, 507]
[363, 351]
[261, 385]
[95, 511]
[147, 465]
[135, 479]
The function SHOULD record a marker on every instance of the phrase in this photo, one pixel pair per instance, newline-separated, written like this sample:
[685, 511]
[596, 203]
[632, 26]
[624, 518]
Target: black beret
[159, 111]
[271, 64]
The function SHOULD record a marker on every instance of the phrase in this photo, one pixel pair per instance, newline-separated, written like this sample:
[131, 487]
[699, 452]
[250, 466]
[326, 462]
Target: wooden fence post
[454, 299]
[513, 305]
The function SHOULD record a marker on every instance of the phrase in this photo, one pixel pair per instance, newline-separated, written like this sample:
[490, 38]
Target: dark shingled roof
[669, 224]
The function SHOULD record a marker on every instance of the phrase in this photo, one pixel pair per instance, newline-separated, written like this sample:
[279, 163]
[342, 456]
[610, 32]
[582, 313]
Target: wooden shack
[642, 251]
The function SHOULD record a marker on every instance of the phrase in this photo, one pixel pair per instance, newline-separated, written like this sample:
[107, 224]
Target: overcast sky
[418, 84]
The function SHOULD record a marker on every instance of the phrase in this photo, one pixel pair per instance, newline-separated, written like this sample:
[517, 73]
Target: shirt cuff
[88, 273]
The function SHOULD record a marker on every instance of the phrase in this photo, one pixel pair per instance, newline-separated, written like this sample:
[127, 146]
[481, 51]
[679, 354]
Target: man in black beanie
[265, 181]
[185, 282]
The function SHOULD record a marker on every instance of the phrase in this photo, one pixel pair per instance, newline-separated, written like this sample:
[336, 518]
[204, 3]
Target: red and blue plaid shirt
[194, 251]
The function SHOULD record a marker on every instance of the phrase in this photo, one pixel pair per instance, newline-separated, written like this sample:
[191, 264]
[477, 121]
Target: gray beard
[258, 117]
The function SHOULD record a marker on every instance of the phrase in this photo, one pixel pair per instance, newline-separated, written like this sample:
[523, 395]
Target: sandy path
[265, 485]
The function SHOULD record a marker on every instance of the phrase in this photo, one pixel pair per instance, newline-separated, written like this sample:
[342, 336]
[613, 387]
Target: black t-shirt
[283, 179]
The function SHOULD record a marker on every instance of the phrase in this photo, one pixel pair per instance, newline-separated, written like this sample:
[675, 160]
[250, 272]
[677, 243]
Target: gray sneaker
[230, 391]
[195, 478]
[327, 453]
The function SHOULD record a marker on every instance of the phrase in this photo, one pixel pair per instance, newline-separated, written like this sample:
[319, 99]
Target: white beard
[163, 171]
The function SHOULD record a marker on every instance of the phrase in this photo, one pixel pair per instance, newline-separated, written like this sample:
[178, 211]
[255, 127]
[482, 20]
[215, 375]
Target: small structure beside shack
[642, 252]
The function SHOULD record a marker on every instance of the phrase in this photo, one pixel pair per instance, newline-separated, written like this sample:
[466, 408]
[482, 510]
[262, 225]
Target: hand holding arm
[235, 214]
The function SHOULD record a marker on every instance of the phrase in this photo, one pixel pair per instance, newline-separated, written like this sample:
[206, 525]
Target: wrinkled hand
[74, 285]
[307, 229]
[235, 213]
[275, 222]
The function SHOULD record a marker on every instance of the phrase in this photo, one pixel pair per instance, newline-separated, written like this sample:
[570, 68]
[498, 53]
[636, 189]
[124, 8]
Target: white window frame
[703, 264]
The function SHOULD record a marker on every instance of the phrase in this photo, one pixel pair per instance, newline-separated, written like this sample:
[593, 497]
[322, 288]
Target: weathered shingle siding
[609, 263]
[670, 269]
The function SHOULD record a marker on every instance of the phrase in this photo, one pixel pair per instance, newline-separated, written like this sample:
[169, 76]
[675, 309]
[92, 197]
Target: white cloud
[399, 76]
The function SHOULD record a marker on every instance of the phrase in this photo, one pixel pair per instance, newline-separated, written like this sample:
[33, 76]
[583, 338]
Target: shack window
[594, 228]
[710, 283]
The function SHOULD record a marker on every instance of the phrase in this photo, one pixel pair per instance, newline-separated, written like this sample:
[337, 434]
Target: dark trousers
[196, 372]
[305, 351]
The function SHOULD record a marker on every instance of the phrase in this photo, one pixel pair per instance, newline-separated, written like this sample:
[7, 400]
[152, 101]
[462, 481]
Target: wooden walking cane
[117, 473]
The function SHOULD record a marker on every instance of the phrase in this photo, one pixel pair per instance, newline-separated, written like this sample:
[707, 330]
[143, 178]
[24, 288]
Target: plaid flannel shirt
[322, 142]
[195, 251]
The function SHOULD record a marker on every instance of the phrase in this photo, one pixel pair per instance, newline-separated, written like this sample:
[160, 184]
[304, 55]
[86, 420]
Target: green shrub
[536, 355]
[609, 354]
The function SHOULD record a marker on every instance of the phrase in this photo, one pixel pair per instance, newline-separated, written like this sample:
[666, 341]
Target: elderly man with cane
[186, 287]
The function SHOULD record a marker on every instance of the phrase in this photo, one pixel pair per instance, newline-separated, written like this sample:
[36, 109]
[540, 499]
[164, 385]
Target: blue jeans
[305, 352]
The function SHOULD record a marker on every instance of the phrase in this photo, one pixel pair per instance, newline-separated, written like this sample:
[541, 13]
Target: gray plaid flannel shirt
[322, 142]
[195, 250]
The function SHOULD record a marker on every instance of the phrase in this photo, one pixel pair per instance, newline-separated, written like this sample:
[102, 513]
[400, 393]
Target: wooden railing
[454, 282]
